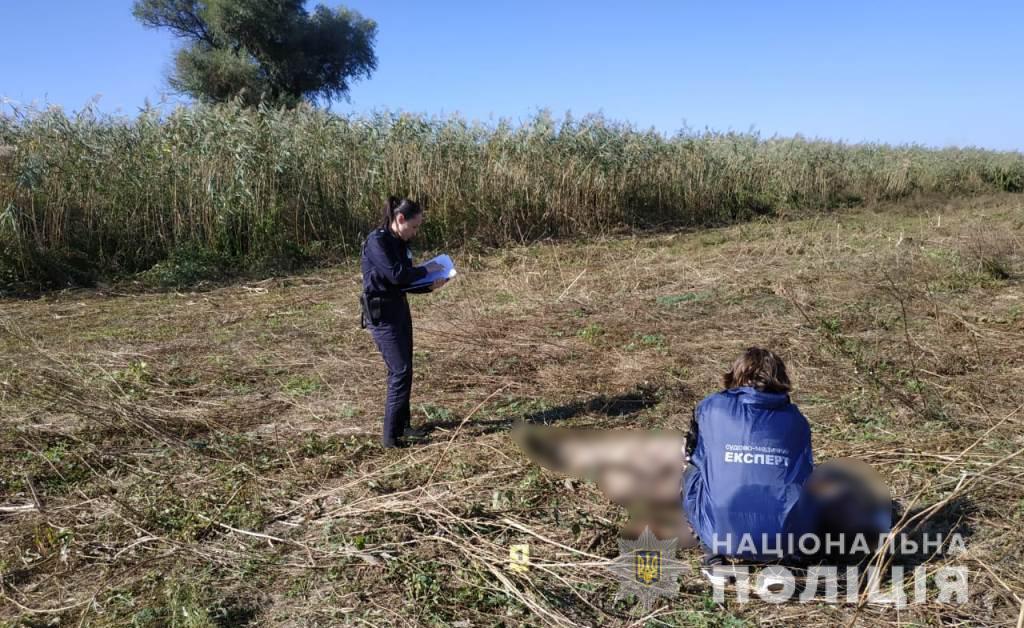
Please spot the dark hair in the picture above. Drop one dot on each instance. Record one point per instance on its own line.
(759, 368)
(405, 207)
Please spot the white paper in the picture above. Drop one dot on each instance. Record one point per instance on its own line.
(447, 271)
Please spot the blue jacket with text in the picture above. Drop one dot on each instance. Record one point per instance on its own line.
(750, 457)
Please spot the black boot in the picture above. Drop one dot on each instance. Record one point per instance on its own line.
(414, 433)
(392, 438)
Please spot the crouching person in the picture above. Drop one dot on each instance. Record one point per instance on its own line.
(749, 454)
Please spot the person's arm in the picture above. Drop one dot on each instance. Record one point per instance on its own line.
(691, 436)
(388, 262)
(805, 459)
(421, 289)
(437, 283)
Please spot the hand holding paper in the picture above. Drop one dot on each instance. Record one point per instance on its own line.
(441, 267)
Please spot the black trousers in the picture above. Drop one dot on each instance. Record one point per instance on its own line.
(393, 336)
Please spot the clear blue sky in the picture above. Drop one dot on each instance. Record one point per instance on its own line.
(933, 72)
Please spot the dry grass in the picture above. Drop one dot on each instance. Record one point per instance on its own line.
(209, 458)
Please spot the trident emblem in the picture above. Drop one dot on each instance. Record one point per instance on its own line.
(647, 565)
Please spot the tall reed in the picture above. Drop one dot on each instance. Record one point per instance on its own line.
(93, 193)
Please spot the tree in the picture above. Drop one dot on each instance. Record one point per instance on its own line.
(263, 50)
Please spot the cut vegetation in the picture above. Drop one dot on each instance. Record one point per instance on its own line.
(210, 458)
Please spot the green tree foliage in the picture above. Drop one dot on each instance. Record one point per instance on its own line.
(263, 50)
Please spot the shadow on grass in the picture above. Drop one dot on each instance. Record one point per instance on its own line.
(930, 539)
(952, 519)
(617, 406)
(948, 521)
(623, 405)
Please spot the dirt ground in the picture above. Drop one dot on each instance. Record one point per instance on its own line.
(210, 458)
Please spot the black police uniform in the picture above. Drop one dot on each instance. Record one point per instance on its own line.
(387, 272)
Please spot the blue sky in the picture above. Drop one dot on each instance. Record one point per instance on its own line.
(937, 73)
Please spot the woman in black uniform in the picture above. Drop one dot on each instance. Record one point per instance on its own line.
(388, 272)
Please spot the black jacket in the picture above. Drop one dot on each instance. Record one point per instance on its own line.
(387, 265)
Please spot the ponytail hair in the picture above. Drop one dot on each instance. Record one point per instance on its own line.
(395, 206)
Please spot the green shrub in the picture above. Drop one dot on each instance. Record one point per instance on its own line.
(188, 265)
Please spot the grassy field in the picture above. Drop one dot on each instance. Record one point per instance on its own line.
(210, 458)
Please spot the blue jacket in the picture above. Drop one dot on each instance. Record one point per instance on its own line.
(387, 265)
(751, 456)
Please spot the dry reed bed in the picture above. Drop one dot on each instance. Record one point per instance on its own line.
(89, 195)
(209, 458)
